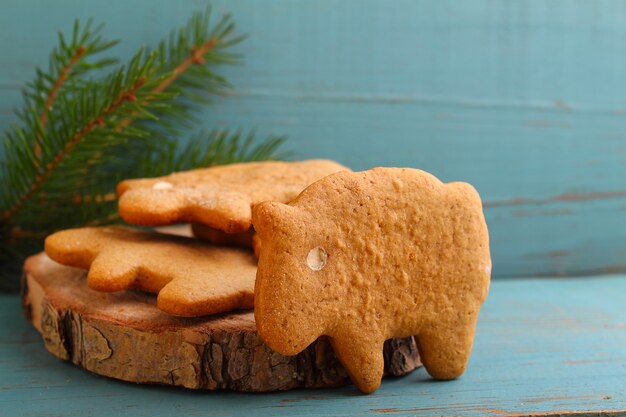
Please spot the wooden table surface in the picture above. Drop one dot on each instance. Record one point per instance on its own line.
(543, 347)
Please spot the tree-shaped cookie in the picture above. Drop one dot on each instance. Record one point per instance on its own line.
(190, 277)
(220, 196)
(367, 256)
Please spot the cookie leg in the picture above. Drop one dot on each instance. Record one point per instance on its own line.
(363, 360)
(110, 274)
(444, 351)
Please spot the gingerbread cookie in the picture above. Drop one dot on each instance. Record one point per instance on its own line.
(216, 237)
(220, 238)
(256, 245)
(367, 256)
(191, 278)
(220, 197)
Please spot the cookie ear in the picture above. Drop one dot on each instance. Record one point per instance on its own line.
(68, 247)
(146, 206)
(270, 217)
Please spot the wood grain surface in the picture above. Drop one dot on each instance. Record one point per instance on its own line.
(543, 347)
(525, 100)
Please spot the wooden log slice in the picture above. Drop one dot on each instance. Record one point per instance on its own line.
(124, 336)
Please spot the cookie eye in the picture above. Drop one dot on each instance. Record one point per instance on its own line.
(316, 259)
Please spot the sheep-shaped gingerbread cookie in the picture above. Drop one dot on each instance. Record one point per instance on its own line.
(367, 256)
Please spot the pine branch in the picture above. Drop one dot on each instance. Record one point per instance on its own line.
(78, 135)
(36, 171)
(67, 68)
(223, 147)
(66, 60)
(196, 57)
(96, 121)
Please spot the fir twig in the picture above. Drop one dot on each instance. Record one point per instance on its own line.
(78, 135)
(66, 59)
(196, 57)
(96, 121)
(223, 147)
(43, 119)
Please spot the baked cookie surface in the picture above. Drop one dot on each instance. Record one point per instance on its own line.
(191, 278)
(218, 237)
(363, 257)
(220, 197)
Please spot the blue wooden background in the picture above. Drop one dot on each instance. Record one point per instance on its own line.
(525, 100)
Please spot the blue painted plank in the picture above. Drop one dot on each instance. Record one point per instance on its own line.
(542, 346)
(523, 99)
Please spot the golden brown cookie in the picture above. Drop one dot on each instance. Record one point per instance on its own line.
(220, 197)
(191, 278)
(363, 257)
(256, 245)
(220, 238)
(217, 237)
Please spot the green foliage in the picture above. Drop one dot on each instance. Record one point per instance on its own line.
(222, 147)
(69, 61)
(79, 133)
